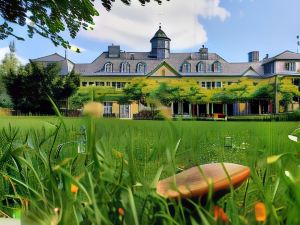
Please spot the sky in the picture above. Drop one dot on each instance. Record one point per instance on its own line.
(230, 28)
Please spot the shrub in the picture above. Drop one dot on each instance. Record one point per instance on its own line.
(5, 101)
(148, 115)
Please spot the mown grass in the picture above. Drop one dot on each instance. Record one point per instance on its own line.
(132, 154)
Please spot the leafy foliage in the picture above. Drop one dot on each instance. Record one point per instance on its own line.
(287, 92)
(50, 18)
(30, 86)
(9, 64)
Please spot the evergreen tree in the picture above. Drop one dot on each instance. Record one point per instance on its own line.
(30, 86)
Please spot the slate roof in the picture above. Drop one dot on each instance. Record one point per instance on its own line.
(286, 55)
(160, 34)
(96, 68)
(66, 65)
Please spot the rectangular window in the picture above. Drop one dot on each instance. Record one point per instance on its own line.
(91, 83)
(218, 84)
(118, 85)
(213, 84)
(107, 83)
(291, 66)
(84, 84)
(208, 85)
(113, 84)
(107, 108)
(97, 83)
(203, 84)
(101, 83)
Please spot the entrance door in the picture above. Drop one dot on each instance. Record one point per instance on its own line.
(125, 111)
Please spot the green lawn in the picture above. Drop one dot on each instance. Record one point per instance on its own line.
(200, 142)
(139, 149)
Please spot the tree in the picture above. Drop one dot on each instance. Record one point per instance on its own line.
(241, 91)
(49, 18)
(153, 92)
(9, 63)
(30, 86)
(287, 92)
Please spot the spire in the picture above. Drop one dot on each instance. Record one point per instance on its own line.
(12, 47)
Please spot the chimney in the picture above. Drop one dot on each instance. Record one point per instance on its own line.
(203, 53)
(253, 56)
(266, 57)
(132, 56)
(114, 51)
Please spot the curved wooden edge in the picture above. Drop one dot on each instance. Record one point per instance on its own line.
(191, 183)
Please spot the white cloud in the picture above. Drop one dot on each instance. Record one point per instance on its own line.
(5, 50)
(134, 26)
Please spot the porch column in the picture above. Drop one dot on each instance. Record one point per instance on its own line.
(225, 108)
(172, 108)
(190, 109)
(197, 109)
(212, 108)
(180, 108)
(259, 107)
(207, 108)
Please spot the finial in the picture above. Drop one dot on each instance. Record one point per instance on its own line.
(159, 25)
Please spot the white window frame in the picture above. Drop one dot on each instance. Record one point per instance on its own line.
(107, 106)
(108, 67)
(125, 67)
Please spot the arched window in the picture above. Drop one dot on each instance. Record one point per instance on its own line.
(186, 67)
(201, 67)
(125, 67)
(216, 67)
(141, 67)
(108, 67)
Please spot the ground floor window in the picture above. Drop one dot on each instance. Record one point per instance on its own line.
(107, 108)
(125, 111)
(99, 83)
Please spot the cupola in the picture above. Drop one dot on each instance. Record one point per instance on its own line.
(160, 45)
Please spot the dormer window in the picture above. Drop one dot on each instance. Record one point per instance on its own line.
(125, 67)
(216, 67)
(108, 67)
(290, 66)
(141, 67)
(201, 67)
(186, 67)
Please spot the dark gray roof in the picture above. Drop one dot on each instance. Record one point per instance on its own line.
(96, 68)
(286, 55)
(160, 34)
(66, 65)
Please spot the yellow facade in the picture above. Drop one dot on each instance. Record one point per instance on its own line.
(165, 73)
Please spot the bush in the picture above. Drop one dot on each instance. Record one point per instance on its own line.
(78, 100)
(5, 101)
(148, 115)
(294, 116)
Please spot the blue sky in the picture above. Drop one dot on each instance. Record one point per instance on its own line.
(230, 28)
